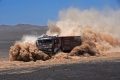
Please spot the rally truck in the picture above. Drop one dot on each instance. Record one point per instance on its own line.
(53, 44)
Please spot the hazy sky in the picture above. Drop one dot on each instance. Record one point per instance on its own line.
(38, 12)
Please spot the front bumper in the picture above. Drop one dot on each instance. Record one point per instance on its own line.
(47, 50)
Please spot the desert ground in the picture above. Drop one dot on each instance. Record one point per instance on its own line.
(105, 67)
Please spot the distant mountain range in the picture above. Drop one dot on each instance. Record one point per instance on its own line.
(8, 32)
(23, 27)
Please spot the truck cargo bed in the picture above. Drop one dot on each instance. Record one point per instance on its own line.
(69, 42)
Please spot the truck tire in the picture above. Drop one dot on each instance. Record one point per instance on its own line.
(61, 48)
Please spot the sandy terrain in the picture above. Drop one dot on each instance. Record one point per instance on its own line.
(95, 68)
(105, 67)
(52, 62)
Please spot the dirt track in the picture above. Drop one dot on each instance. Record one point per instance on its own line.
(91, 68)
(78, 68)
(107, 70)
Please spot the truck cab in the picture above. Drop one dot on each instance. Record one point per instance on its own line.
(48, 44)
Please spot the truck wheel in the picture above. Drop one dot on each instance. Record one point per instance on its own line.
(59, 51)
(61, 48)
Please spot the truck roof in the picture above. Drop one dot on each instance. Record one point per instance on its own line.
(69, 36)
(44, 37)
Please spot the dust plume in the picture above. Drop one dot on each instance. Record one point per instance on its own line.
(61, 55)
(26, 50)
(99, 30)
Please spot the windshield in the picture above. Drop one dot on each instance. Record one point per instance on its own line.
(45, 42)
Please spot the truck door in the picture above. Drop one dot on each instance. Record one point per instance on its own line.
(56, 45)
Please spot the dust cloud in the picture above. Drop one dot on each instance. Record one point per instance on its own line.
(99, 31)
(26, 50)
